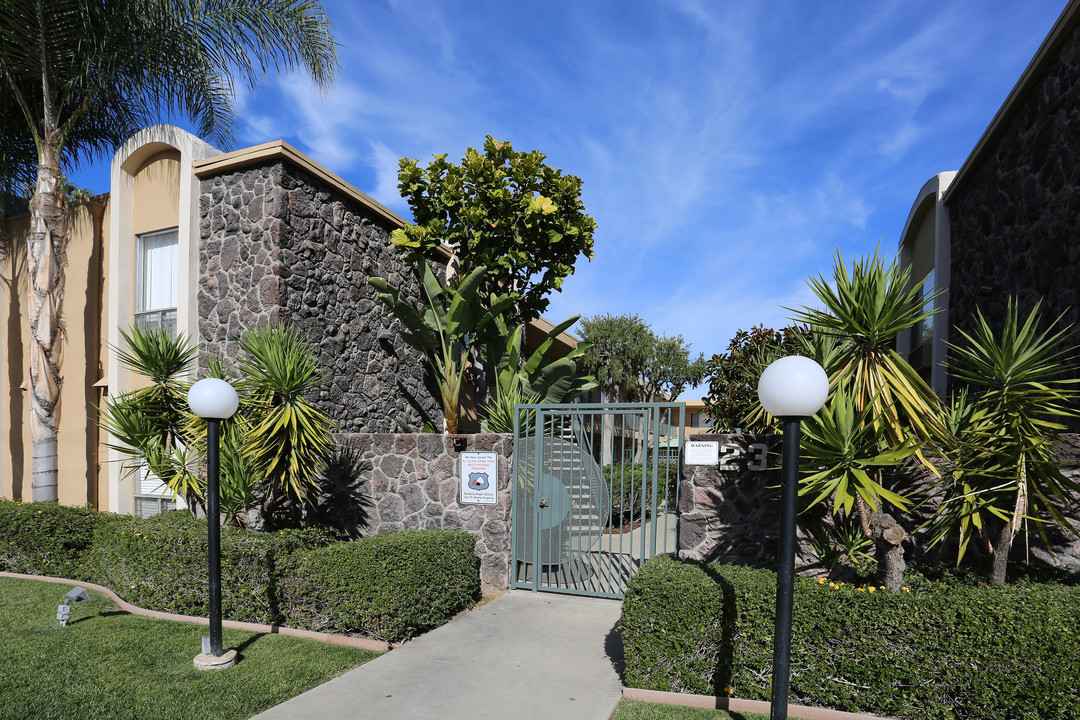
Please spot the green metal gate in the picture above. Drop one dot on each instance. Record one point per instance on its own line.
(595, 493)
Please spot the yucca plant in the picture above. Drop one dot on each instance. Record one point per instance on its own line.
(842, 455)
(499, 413)
(841, 542)
(287, 439)
(1009, 475)
(863, 311)
(153, 424)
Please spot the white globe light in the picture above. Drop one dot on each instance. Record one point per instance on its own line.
(793, 387)
(213, 399)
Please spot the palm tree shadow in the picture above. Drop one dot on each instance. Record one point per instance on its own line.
(343, 502)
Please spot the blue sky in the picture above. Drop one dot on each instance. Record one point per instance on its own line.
(728, 149)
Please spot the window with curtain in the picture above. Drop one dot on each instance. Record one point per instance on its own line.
(156, 278)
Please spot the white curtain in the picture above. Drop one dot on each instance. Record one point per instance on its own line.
(159, 277)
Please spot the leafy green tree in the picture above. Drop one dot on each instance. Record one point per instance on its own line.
(670, 369)
(1005, 473)
(618, 353)
(502, 209)
(78, 78)
(732, 400)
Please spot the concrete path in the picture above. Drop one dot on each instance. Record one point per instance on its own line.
(522, 656)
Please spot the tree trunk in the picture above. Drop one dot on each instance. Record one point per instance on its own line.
(1001, 554)
(888, 535)
(1008, 530)
(46, 257)
(607, 432)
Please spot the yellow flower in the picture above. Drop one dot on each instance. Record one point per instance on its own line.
(882, 587)
(979, 601)
(906, 589)
(821, 581)
(728, 690)
(132, 587)
(872, 588)
(38, 512)
(861, 589)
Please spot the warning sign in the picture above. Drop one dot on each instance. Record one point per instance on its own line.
(479, 478)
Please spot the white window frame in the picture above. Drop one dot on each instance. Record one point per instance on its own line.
(165, 316)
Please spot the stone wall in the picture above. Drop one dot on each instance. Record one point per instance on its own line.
(280, 245)
(1015, 218)
(412, 482)
(730, 513)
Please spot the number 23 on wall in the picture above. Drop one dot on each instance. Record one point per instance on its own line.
(757, 456)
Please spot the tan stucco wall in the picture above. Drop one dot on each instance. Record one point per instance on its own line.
(83, 357)
(157, 194)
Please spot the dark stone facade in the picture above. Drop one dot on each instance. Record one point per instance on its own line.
(280, 245)
(1015, 216)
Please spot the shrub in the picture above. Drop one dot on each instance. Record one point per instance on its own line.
(41, 538)
(391, 586)
(624, 485)
(161, 563)
(939, 651)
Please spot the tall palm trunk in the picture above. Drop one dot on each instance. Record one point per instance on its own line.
(46, 257)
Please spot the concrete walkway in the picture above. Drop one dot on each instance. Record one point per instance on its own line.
(522, 656)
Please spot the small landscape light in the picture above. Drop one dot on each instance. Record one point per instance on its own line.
(74, 596)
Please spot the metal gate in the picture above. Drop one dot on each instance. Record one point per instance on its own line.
(595, 493)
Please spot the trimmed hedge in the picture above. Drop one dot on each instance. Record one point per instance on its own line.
(161, 563)
(940, 651)
(392, 586)
(44, 538)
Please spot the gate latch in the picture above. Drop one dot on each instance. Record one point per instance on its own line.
(544, 503)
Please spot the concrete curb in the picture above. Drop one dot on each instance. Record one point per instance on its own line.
(359, 642)
(736, 705)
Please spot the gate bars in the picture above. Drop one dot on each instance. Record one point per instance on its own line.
(595, 493)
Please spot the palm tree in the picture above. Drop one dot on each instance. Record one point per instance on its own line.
(83, 76)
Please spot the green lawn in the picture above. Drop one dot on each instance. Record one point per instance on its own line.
(109, 664)
(639, 710)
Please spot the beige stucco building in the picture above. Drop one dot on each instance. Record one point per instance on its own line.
(208, 244)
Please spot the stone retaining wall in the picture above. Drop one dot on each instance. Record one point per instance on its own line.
(412, 482)
(730, 512)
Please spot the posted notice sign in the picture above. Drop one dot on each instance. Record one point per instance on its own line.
(479, 478)
(702, 452)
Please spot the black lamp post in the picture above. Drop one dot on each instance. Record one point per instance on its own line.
(213, 400)
(792, 388)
